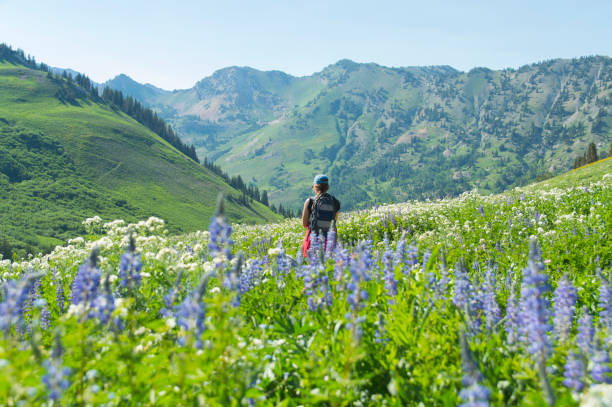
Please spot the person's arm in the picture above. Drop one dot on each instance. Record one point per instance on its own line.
(306, 214)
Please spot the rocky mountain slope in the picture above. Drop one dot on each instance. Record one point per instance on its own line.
(391, 134)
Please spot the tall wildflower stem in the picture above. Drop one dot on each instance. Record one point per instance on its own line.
(549, 395)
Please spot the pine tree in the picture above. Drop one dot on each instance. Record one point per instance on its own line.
(591, 155)
(264, 196)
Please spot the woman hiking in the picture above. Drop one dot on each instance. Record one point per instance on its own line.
(319, 212)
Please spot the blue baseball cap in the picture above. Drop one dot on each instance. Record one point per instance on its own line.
(321, 179)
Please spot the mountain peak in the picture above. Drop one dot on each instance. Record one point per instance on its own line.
(129, 87)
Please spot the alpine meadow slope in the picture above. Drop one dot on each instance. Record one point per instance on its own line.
(499, 300)
(66, 155)
(391, 134)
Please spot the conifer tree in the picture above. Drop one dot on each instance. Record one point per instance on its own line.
(591, 155)
(264, 195)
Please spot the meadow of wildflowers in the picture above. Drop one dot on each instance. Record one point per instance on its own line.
(479, 300)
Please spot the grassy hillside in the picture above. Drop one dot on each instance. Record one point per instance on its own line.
(391, 134)
(499, 300)
(63, 161)
(579, 176)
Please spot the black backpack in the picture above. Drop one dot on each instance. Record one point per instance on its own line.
(323, 211)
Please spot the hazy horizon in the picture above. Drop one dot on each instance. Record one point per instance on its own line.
(172, 46)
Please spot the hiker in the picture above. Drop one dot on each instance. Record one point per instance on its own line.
(319, 212)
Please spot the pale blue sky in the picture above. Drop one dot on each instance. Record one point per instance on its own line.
(174, 44)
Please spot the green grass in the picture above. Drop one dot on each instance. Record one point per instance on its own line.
(376, 323)
(579, 176)
(84, 159)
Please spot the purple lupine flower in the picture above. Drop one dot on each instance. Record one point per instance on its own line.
(463, 286)
(489, 298)
(86, 282)
(586, 333)
(400, 252)
(103, 305)
(605, 302)
(171, 296)
(14, 300)
(359, 273)
(389, 272)
(220, 232)
(190, 315)
(362, 265)
(473, 394)
(33, 300)
(284, 264)
(481, 210)
(381, 337)
(252, 273)
(412, 256)
(512, 317)
(600, 367)
(443, 282)
(354, 324)
(343, 260)
(45, 317)
(56, 378)
(574, 372)
(564, 302)
(330, 241)
(534, 311)
(314, 252)
(129, 267)
(231, 281)
(316, 287)
(190, 318)
(59, 291)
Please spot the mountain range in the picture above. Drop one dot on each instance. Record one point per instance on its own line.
(67, 154)
(391, 134)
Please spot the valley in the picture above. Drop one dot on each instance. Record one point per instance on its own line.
(392, 134)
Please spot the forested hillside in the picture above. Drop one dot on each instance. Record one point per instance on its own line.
(67, 154)
(391, 134)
